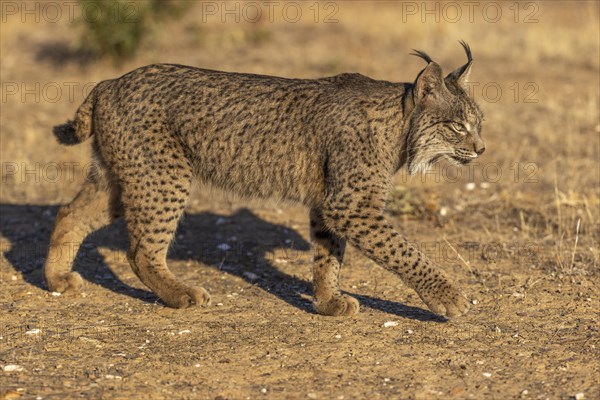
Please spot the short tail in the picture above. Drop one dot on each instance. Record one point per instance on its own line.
(67, 133)
(80, 128)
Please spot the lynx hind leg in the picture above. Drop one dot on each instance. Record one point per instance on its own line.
(154, 198)
(328, 255)
(96, 206)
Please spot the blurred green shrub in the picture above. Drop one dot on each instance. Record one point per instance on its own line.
(117, 28)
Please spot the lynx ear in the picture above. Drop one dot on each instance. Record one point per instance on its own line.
(429, 83)
(461, 74)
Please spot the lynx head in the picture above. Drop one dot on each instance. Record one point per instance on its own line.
(446, 122)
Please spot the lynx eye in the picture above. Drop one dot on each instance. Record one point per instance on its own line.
(458, 128)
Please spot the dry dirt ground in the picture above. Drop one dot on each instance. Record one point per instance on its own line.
(519, 231)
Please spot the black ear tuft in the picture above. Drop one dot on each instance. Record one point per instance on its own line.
(422, 54)
(461, 74)
(467, 48)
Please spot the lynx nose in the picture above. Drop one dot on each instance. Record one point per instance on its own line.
(478, 146)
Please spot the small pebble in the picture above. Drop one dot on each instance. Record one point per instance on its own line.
(184, 331)
(33, 332)
(484, 185)
(580, 396)
(390, 323)
(224, 247)
(470, 186)
(12, 368)
(487, 374)
(251, 276)
(475, 301)
(55, 294)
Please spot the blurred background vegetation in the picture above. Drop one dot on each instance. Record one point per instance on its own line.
(116, 29)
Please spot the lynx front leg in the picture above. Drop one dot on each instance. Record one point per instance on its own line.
(328, 254)
(364, 225)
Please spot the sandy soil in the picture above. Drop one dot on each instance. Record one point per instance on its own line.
(519, 231)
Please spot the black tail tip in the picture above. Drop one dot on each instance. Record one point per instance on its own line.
(66, 133)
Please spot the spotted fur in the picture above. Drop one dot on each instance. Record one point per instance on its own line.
(332, 144)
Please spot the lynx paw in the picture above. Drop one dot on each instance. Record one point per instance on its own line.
(185, 297)
(446, 300)
(338, 305)
(69, 282)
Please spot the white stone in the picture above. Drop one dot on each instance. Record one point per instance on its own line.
(12, 368)
(250, 275)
